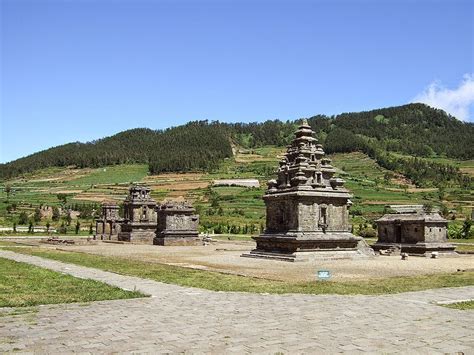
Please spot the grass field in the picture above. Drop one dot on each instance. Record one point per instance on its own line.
(225, 282)
(467, 305)
(26, 285)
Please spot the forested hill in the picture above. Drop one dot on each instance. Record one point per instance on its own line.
(414, 129)
(196, 145)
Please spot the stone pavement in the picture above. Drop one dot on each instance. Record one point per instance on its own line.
(178, 319)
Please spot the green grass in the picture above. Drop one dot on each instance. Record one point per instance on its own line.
(27, 285)
(225, 282)
(469, 248)
(113, 175)
(245, 237)
(467, 305)
(5, 243)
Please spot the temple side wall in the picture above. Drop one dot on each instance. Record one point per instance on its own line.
(99, 227)
(337, 218)
(284, 214)
(281, 215)
(182, 222)
(386, 233)
(308, 214)
(435, 233)
(412, 233)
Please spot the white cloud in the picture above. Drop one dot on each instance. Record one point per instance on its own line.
(457, 102)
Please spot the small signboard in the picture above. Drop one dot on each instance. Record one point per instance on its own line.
(324, 275)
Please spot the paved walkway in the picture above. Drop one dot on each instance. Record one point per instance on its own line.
(179, 319)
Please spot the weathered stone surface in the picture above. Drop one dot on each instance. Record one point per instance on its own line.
(177, 224)
(140, 216)
(307, 208)
(414, 232)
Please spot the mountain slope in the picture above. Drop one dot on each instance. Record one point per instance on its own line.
(414, 129)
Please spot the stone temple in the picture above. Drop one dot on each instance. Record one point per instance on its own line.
(177, 224)
(414, 231)
(307, 208)
(140, 216)
(108, 226)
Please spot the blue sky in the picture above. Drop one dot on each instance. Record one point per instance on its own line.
(81, 70)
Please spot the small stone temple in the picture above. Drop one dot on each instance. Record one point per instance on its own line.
(140, 217)
(307, 208)
(177, 224)
(413, 231)
(108, 226)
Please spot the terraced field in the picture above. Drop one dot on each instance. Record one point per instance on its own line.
(228, 207)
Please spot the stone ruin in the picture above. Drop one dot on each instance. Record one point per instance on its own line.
(140, 217)
(414, 231)
(307, 208)
(145, 221)
(108, 226)
(177, 224)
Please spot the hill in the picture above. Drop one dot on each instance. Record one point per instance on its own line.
(194, 146)
(399, 139)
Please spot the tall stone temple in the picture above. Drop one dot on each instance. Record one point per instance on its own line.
(140, 216)
(307, 208)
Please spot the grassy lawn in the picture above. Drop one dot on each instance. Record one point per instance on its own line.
(463, 244)
(224, 282)
(465, 248)
(467, 305)
(27, 285)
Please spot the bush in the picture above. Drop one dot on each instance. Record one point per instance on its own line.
(23, 219)
(368, 233)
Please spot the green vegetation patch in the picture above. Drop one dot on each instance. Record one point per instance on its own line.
(225, 282)
(118, 174)
(466, 305)
(27, 285)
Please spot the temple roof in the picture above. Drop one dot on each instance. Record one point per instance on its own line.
(304, 165)
(412, 217)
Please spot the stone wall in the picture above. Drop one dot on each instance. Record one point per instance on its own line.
(182, 222)
(435, 233)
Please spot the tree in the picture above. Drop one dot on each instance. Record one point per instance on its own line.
(23, 218)
(37, 215)
(56, 214)
(428, 207)
(466, 229)
(62, 198)
(63, 228)
(8, 190)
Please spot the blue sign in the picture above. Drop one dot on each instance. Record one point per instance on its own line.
(324, 274)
